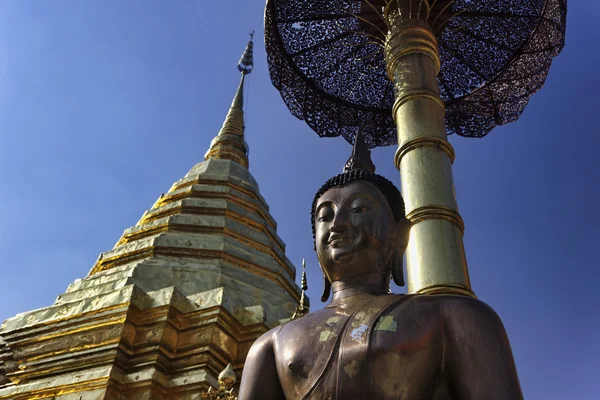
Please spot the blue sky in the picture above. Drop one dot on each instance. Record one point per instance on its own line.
(103, 105)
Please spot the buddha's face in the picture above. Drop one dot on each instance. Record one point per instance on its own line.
(355, 231)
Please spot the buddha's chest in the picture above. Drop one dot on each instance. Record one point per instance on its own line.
(329, 358)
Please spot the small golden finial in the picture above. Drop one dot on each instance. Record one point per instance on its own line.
(227, 380)
(302, 308)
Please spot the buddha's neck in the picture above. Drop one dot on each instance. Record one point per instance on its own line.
(374, 284)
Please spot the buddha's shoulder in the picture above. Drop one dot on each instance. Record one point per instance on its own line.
(442, 306)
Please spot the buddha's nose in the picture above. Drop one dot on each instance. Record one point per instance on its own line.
(340, 222)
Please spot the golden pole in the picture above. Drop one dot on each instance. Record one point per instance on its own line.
(436, 261)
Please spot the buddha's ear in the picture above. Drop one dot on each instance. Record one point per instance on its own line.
(398, 269)
(326, 289)
(402, 236)
(403, 232)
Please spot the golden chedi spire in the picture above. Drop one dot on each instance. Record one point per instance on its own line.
(229, 144)
(184, 292)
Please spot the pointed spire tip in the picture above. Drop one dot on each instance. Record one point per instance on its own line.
(229, 143)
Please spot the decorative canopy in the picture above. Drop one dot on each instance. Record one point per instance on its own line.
(326, 59)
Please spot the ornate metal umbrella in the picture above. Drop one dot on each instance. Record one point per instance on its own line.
(327, 59)
(408, 72)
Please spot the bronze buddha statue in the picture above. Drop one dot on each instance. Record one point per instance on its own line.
(368, 343)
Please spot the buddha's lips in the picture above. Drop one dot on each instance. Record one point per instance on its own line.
(338, 239)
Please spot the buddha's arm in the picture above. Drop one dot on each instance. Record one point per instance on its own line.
(478, 358)
(259, 378)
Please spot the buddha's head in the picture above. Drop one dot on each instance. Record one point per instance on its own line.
(359, 224)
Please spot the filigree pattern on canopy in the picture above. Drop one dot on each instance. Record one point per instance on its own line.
(326, 59)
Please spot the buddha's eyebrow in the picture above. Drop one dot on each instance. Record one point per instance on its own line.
(356, 196)
(367, 196)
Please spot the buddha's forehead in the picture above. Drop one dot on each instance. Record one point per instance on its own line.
(354, 189)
